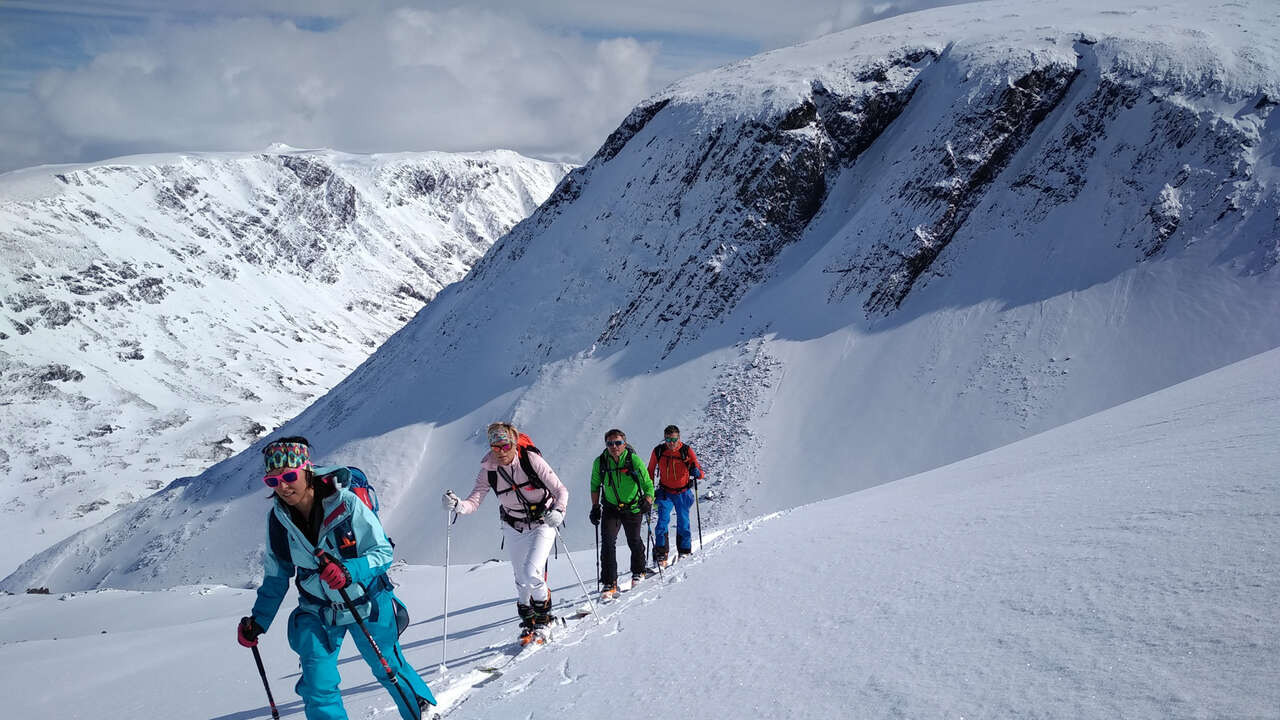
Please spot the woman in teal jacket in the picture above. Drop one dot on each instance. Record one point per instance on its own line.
(310, 515)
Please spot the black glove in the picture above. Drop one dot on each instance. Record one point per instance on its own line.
(595, 514)
(645, 505)
(248, 631)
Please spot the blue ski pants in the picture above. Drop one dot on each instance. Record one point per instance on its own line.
(680, 502)
(317, 644)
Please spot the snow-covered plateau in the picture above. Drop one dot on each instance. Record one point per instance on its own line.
(160, 313)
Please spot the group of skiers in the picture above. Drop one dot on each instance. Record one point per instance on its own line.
(323, 532)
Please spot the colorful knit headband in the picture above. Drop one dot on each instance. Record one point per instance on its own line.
(286, 455)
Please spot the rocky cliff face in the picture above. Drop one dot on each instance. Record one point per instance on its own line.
(158, 315)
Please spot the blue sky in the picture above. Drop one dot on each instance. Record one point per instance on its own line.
(82, 81)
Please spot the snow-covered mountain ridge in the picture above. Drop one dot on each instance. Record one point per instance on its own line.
(832, 265)
(160, 313)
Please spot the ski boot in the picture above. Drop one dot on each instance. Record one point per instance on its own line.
(660, 555)
(542, 619)
(526, 623)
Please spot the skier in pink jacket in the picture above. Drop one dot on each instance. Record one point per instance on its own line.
(532, 503)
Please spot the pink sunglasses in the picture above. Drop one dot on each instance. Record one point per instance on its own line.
(274, 479)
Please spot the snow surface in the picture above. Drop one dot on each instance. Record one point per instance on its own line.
(1119, 566)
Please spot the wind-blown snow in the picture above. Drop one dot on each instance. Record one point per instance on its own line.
(1119, 566)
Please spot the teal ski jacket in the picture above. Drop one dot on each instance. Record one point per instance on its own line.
(349, 531)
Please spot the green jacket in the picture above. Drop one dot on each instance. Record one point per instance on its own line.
(623, 482)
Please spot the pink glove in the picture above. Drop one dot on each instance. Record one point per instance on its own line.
(334, 574)
(248, 631)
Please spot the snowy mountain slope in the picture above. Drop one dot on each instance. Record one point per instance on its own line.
(916, 240)
(1120, 566)
(160, 313)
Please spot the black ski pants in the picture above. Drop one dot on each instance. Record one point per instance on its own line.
(611, 519)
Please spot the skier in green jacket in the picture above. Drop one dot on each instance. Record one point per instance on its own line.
(620, 475)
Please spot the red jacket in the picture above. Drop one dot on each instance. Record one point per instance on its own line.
(672, 472)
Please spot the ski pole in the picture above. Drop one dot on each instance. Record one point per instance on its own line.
(698, 509)
(257, 657)
(444, 634)
(597, 558)
(324, 560)
(648, 547)
(581, 584)
(648, 519)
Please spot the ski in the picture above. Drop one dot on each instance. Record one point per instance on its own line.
(517, 650)
(513, 653)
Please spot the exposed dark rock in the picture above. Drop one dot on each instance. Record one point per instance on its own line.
(312, 173)
(1059, 168)
(91, 506)
(149, 290)
(629, 128)
(56, 314)
(113, 299)
(567, 191)
(19, 302)
(408, 291)
(101, 430)
(341, 199)
(50, 462)
(798, 117)
(59, 373)
(854, 123)
(132, 350)
(98, 220)
(971, 158)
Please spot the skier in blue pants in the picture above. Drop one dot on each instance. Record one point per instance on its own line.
(674, 467)
(309, 514)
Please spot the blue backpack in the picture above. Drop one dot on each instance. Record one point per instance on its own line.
(350, 478)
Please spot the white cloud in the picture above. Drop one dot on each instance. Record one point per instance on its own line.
(408, 79)
(549, 79)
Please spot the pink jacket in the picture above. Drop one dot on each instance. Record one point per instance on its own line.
(511, 500)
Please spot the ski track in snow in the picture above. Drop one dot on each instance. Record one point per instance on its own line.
(455, 687)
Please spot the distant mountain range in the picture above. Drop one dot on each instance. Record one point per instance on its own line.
(159, 314)
(832, 265)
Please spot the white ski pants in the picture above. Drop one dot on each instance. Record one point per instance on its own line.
(529, 551)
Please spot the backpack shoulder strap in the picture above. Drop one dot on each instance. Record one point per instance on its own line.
(279, 539)
(527, 465)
